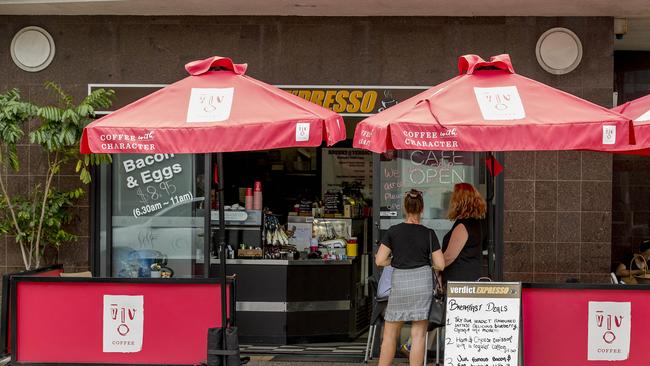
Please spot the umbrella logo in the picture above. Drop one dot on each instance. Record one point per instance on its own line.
(210, 104)
(302, 132)
(609, 135)
(500, 103)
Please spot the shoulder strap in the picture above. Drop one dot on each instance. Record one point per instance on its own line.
(430, 248)
(435, 276)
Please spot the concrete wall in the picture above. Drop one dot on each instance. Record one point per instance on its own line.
(389, 51)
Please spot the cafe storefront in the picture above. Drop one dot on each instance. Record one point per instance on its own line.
(301, 223)
(560, 216)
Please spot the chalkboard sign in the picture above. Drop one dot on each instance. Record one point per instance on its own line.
(332, 202)
(483, 324)
(153, 185)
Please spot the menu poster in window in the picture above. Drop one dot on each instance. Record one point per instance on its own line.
(483, 324)
(150, 185)
(343, 165)
(432, 172)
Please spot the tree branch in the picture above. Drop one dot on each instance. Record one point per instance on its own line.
(13, 215)
(51, 171)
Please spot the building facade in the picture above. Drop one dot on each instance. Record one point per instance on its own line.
(558, 205)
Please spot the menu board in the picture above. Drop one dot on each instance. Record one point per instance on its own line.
(150, 185)
(432, 172)
(346, 166)
(483, 324)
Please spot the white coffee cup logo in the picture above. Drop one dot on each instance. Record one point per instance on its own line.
(302, 132)
(210, 104)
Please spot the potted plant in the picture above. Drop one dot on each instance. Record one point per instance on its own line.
(40, 217)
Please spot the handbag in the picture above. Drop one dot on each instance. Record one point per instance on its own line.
(438, 307)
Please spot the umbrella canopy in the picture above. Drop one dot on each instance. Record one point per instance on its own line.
(638, 110)
(488, 107)
(216, 109)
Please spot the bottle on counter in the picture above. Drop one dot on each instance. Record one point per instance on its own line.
(352, 248)
(313, 245)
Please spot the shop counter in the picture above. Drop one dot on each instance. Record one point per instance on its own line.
(296, 301)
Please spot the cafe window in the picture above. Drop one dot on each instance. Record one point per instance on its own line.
(434, 173)
(157, 215)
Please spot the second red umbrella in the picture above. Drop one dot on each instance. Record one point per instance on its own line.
(488, 107)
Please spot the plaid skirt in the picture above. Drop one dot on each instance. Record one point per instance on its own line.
(410, 295)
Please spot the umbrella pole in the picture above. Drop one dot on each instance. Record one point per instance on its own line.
(222, 252)
(490, 217)
(207, 219)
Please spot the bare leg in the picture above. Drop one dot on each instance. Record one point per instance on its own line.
(418, 334)
(389, 343)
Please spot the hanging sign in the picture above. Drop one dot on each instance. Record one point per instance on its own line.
(123, 323)
(214, 104)
(483, 324)
(610, 325)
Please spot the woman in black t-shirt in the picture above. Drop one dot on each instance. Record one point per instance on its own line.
(414, 249)
(462, 246)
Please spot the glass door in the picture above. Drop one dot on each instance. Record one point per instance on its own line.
(434, 173)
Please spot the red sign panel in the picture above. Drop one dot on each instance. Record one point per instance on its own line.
(557, 321)
(61, 320)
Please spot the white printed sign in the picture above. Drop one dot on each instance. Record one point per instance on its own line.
(302, 132)
(210, 104)
(500, 103)
(482, 324)
(644, 117)
(123, 323)
(610, 325)
(609, 135)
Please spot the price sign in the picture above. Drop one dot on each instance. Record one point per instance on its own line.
(483, 324)
(150, 185)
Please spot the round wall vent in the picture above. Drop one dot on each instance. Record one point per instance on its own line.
(32, 49)
(559, 51)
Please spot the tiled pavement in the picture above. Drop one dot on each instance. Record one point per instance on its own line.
(331, 354)
(350, 348)
(268, 360)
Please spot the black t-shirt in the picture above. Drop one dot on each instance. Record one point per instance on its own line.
(411, 245)
(467, 266)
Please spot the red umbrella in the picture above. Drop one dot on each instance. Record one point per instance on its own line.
(216, 109)
(488, 107)
(639, 111)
